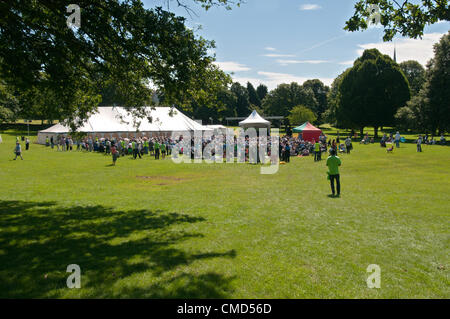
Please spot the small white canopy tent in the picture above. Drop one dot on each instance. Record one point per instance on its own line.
(111, 121)
(218, 128)
(254, 120)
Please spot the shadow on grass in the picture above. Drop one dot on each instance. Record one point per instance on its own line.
(116, 251)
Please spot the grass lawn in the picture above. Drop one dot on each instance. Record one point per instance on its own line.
(155, 229)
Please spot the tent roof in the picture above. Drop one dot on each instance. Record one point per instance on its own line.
(216, 126)
(116, 119)
(306, 127)
(254, 120)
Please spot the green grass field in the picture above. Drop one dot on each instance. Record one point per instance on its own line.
(155, 229)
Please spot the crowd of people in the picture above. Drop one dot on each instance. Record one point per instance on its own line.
(160, 147)
(136, 147)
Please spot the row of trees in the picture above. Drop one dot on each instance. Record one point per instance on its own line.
(296, 102)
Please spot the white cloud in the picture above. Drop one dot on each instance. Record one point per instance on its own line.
(273, 55)
(270, 49)
(349, 62)
(273, 79)
(287, 62)
(232, 66)
(309, 6)
(407, 49)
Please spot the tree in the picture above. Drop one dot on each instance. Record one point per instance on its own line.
(437, 111)
(262, 91)
(281, 100)
(300, 114)
(320, 92)
(8, 104)
(242, 99)
(330, 114)
(229, 101)
(415, 73)
(371, 92)
(405, 17)
(429, 109)
(253, 96)
(203, 99)
(119, 40)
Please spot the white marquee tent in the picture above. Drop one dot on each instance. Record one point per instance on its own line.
(113, 121)
(254, 120)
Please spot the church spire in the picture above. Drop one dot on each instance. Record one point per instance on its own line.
(395, 54)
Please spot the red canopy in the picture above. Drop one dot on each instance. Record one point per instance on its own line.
(309, 132)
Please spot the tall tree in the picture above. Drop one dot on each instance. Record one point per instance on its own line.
(405, 17)
(415, 73)
(252, 95)
(437, 111)
(320, 92)
(372, 91)
(262, 91)
(330, 114)
(242, 99)
(429, 109)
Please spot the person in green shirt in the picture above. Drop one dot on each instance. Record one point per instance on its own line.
(333, 163)
(317, 151)
(156, 150)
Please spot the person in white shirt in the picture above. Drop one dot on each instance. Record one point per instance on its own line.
(419, 144)
(397, 139)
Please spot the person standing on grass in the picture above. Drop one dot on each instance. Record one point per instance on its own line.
(316, 151)
(348, 144)
(115, 154)
(333, 163)
(156, 150)
(419, 144)
(163, 150)
(18, 150)
(397, 140)
(27, 144)
(1, 141)
(287, 152)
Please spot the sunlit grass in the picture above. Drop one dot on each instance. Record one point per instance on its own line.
(155, 229)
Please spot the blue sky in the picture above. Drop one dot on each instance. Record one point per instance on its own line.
(280, 41)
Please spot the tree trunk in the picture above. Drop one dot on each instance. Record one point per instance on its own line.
(375, 129)
(361, 132)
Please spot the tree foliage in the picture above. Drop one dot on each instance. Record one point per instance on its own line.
(262, 91)
(281, 100)
(371, 91)
(415, 73)
(320, 91)
(118, 42)
(253, 95)
(405, 17)
(300, 114)
(429, 110)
